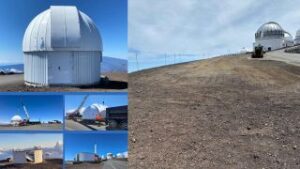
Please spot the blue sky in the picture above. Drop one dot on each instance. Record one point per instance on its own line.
(110, 99)
(40, 107)
(203, 28)
(110, 17)
(19, 141)
(107, 142)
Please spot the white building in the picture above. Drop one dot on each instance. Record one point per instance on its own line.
(28, 156)
(16, 120)
(297, 37)
(62, 46)
(87, 157)
(109, 156)
(94, 111)
(272, 36)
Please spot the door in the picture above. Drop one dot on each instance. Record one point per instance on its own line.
(60, 68)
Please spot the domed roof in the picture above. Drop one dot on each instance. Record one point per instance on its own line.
(98, 107)
(269, 29)
(93, 110)
(62, 28)
(16, 118)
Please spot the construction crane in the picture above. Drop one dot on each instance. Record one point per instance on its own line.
(27, 120)
(76, 113)
(26, 111)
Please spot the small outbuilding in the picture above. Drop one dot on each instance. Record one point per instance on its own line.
(28, 156)
(62, 46)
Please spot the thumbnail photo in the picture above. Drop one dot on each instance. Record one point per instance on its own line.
(31, 151)
(96, 150)
(31, 112)
(92, 112)
(74, 47)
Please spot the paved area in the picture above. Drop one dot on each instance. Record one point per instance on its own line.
(280, 55)
(114, 164)
(109, 164)
(73, 125)
(46, 127)
(118, 82)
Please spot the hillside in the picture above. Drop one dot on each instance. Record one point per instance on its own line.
(224, 112)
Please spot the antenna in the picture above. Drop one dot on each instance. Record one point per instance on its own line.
(136, 58)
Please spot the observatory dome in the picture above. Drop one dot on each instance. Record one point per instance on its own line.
(16, 118)
(269, 30)
(62, 46)
(272, 36)
(93, 110)
(297, 37)
(62, 28)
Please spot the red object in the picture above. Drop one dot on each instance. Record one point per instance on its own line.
(99, 118)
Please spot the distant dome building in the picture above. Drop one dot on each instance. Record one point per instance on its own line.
(272, 36)
(62, 46)
(16, 120)
(297, 38)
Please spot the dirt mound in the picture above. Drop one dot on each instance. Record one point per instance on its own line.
(225, 112)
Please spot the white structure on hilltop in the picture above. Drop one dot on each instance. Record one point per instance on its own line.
(16, 120)
(55, 152)
(62, 46)
(94, 111)
(297, 37)
(272, 36)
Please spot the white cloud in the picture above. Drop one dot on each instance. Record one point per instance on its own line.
(213, 27)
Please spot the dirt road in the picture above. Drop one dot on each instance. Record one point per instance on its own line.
(73, 125)
(48, 164)
(118, 82)
(281, 55)
(47, 127)
(109, 164)
(226, 112)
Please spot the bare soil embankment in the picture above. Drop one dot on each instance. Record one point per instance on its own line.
(225, 112)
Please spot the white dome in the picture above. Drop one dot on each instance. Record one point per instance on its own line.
(297, 37)
(269, 29)
(297, 34)
(93, 110)
(16, 118)
(62, 28)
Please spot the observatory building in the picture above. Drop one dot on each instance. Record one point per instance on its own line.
(272, 36)
(297, 38)
(62, 46)
(16, 120)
